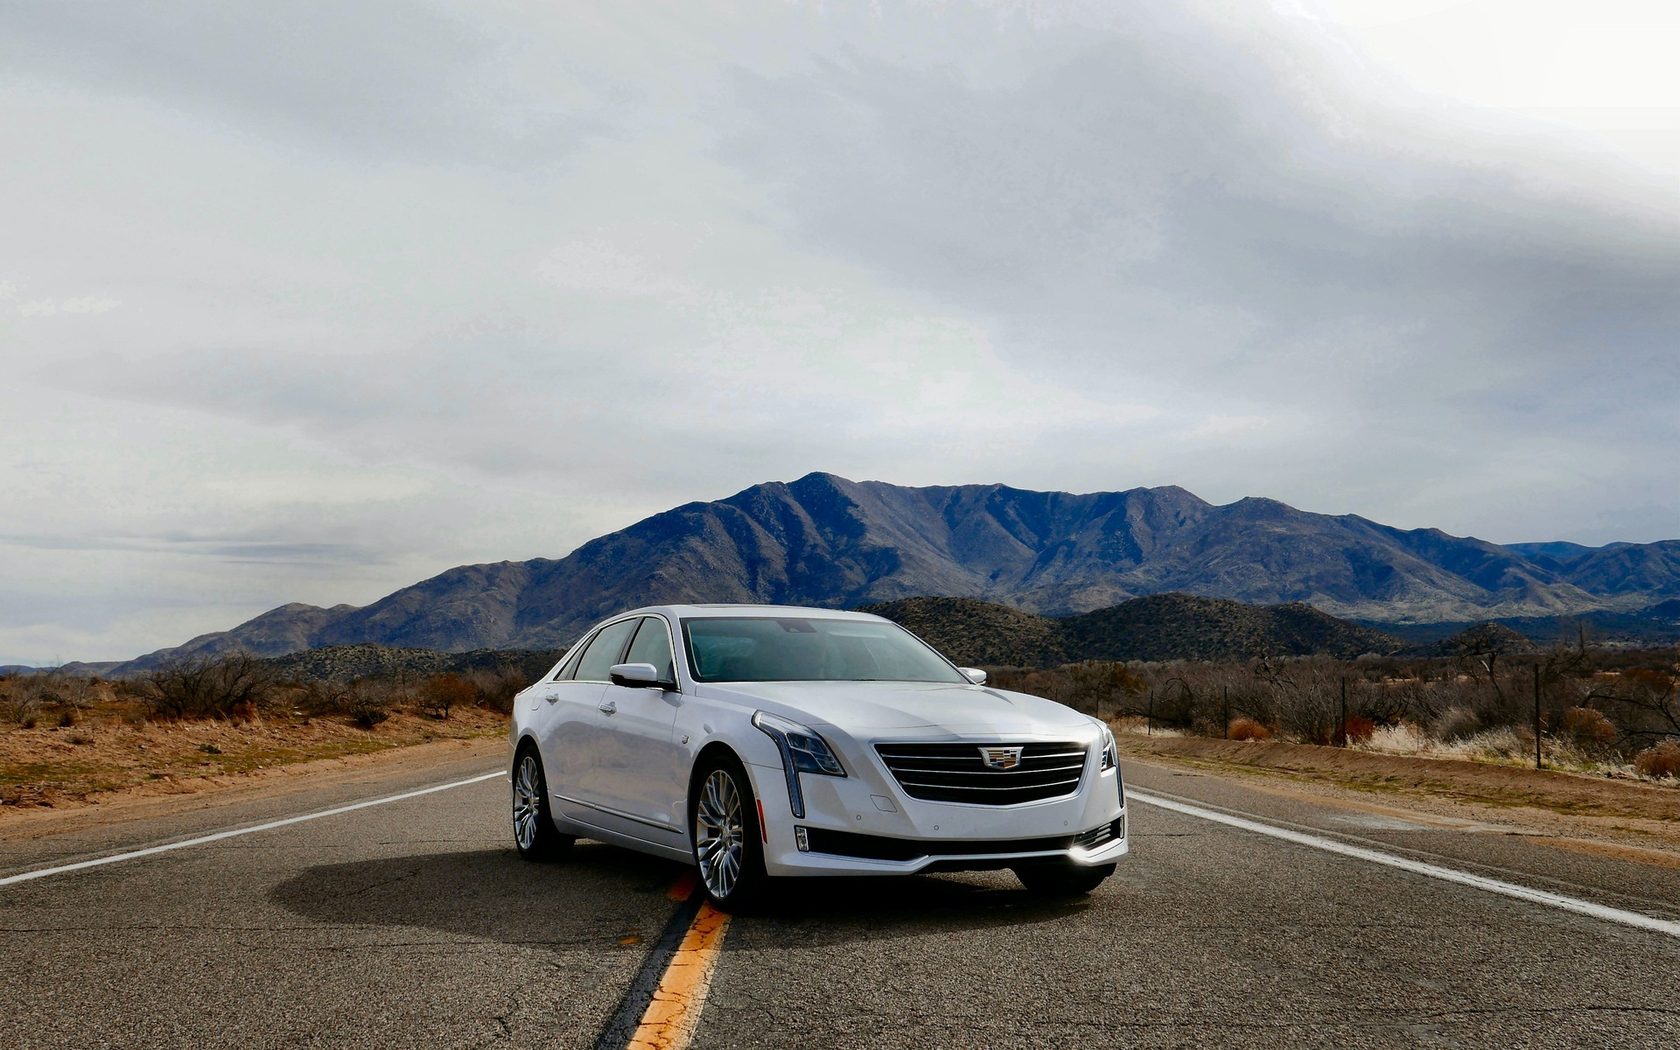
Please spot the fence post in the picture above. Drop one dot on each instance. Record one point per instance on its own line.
(1149, 722)
(1341, 723)
(1537, 763)
(1227, 691)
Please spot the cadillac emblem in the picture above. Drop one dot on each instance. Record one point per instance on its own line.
(1001, 757)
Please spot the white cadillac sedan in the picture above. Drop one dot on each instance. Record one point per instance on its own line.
(757, 742)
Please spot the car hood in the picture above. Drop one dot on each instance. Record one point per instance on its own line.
(865, 707)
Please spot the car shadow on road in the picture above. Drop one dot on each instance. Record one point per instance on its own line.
(603, 896)
(841, 910)
(597, 895)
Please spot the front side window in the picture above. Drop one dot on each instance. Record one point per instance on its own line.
(598, 659)
(802, 649)
(653, 646)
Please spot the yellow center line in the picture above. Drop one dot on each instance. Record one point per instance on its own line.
(674, 1014)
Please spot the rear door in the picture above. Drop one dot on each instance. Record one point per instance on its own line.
(575, 730)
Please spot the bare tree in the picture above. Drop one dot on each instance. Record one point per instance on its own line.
(207, 686)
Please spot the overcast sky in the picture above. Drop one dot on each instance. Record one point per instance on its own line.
(308, 301)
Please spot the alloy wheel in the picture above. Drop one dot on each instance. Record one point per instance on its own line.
(527, 799)
(719, 833)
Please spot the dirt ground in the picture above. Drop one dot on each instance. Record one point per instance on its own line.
(102, 761)
(1598, 813)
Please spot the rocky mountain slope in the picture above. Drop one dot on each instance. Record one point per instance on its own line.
(824, 540)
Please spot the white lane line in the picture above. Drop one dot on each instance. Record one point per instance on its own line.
(1635, 919)
(42, 873)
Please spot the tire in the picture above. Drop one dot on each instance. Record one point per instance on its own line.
(534, 834)
(1062, 878)
(724, 836)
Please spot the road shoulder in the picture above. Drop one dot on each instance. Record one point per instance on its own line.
(1630, 821)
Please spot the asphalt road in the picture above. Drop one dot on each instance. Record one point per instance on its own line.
(413, 923)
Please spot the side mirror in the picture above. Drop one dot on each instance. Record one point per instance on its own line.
(974, 674)
(636, 676)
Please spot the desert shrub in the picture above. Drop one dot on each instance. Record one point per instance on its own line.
(45, 697)
(441, 692)
(19, 704)
(323, 697)
(1248, 729)
(1588, 726)
(366, 704)
(1359, 729)
(1663, 760)
(496, 689)
(207, 687)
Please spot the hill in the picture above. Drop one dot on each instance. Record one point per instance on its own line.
(824, 540)
(972, 632)
(1160, 627)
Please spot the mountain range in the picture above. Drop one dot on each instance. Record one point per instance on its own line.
(823, 540)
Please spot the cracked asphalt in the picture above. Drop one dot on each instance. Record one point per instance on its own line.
(415, 924)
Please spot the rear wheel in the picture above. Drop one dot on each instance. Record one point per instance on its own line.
(1062, 878)
(723, 825)
(534, 833)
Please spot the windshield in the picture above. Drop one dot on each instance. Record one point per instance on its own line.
(800, 649)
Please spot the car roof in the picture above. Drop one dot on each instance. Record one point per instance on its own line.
(725, 609)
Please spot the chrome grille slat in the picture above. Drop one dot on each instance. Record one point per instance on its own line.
(1021, 770)
(987, 787)
(946, 772)
(964, 758)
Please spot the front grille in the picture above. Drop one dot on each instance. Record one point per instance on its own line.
(958, 773)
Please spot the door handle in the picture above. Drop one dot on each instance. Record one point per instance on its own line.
(610, 706)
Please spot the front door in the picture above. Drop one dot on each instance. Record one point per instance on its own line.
(643, 773)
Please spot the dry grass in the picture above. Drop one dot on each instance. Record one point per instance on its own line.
(1140, 725)
(44, 766)
(1433, 779)
(1504, 746)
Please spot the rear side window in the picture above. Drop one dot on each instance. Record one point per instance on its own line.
(653, 646)
(603, 652)
(568, 666)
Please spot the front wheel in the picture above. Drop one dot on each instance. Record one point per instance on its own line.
(534, 833)
(1062, 878)
(723, 826)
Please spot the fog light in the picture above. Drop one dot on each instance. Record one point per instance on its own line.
(802, 840)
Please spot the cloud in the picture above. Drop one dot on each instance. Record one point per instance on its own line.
(307, 303)
(82, 304)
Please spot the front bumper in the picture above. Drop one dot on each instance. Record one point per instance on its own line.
(864, 824)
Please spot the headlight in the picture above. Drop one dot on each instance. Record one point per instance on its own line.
(1108, 755)
(803, 751)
